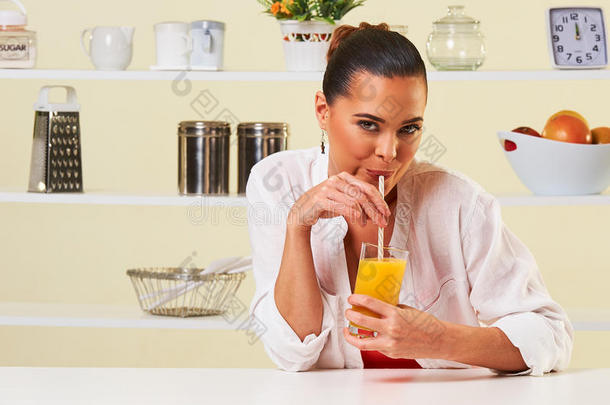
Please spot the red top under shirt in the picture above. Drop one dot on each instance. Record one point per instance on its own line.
(375, 359)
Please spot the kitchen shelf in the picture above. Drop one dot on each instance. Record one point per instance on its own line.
(515, 200)
(584, 319)
(98, 198)
(124, 316)
(100, 316)
(266, 76)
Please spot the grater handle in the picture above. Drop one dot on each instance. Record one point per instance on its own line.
(43, 94)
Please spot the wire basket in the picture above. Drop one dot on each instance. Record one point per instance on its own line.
(184, 292)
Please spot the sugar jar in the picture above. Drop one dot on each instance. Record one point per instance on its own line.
(456, 42)
(17, 44)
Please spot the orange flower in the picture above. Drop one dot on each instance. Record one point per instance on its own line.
(284, 8)
(275, 7)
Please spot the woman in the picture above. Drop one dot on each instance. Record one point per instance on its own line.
(472, 294)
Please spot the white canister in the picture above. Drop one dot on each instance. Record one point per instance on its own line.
(17, 45)
(173, 44)
(208, 44)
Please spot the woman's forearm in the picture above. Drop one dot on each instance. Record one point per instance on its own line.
(482, 346)
(297, 294)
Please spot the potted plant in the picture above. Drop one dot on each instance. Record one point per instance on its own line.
(307, 27)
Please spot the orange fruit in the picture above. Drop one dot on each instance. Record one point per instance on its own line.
(567, 128)
(601, 135)
(571, 113)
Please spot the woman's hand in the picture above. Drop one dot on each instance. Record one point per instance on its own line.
(402, 331)
(341, 194)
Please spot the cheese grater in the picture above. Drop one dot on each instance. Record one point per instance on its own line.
(56, 149)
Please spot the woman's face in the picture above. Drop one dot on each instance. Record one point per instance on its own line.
(376, 129)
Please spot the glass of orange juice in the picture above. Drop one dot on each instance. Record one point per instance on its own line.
(379, 279)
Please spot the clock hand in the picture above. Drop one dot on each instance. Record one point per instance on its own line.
(577, 31)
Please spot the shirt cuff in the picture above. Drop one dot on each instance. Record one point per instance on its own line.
(529, 333)
(283, 344)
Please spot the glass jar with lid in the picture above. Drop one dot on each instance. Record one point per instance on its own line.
(456, 42)
(17, 45)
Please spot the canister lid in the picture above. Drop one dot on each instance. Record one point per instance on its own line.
(204, 128)
(13, 17)
(264, 129)
(456, 20)
(208, 24)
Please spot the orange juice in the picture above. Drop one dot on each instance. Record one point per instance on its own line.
(379, 279)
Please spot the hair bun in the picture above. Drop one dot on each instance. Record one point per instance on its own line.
(344, 31)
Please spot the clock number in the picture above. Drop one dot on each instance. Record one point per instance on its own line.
(569, 55)
(585, 18)
(589, 57)
(564, 19)
(559, 48)
(559, 28)
(574, 16)
(593, 27)
(579, 59)
(596, 48)
(555, 38)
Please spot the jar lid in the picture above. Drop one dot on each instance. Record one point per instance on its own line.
(204, 128)
(456, 19)
(208, 25)
(13, 17)
(263, 129)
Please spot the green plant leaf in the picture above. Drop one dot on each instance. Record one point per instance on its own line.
(319, 10)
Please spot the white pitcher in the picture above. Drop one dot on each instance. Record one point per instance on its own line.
(110, 48)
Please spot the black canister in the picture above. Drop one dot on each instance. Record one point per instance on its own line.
(257, 140)
(203, 157)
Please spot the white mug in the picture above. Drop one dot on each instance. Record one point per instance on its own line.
(110, 48)
(173, 44)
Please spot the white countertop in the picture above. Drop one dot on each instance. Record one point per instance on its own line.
(212, 386)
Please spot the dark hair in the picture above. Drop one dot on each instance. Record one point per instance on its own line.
(368, 48)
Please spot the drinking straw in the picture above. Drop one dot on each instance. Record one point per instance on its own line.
(380, 229)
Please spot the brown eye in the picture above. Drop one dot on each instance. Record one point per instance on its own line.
(367, 125)
(410, 129)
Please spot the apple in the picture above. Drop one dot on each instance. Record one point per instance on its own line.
(527, 131)
(510, 145)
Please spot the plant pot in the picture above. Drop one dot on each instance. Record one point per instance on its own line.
(306, 44)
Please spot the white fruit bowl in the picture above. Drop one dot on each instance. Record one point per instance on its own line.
(549, 167)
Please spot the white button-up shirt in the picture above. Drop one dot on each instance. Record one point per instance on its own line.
(465, 266)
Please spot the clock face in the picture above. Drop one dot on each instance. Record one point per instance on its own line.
(578, 37)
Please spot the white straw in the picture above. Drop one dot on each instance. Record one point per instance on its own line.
(380, 229)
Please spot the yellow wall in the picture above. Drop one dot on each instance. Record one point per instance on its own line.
(79, 254)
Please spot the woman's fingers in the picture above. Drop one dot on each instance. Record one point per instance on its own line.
(344, 195)
(363, 206)
(360, 319)
(366, 202)
(343, 198)
(338, 208)
(370, 343)
(373, 193)
(379, 307)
